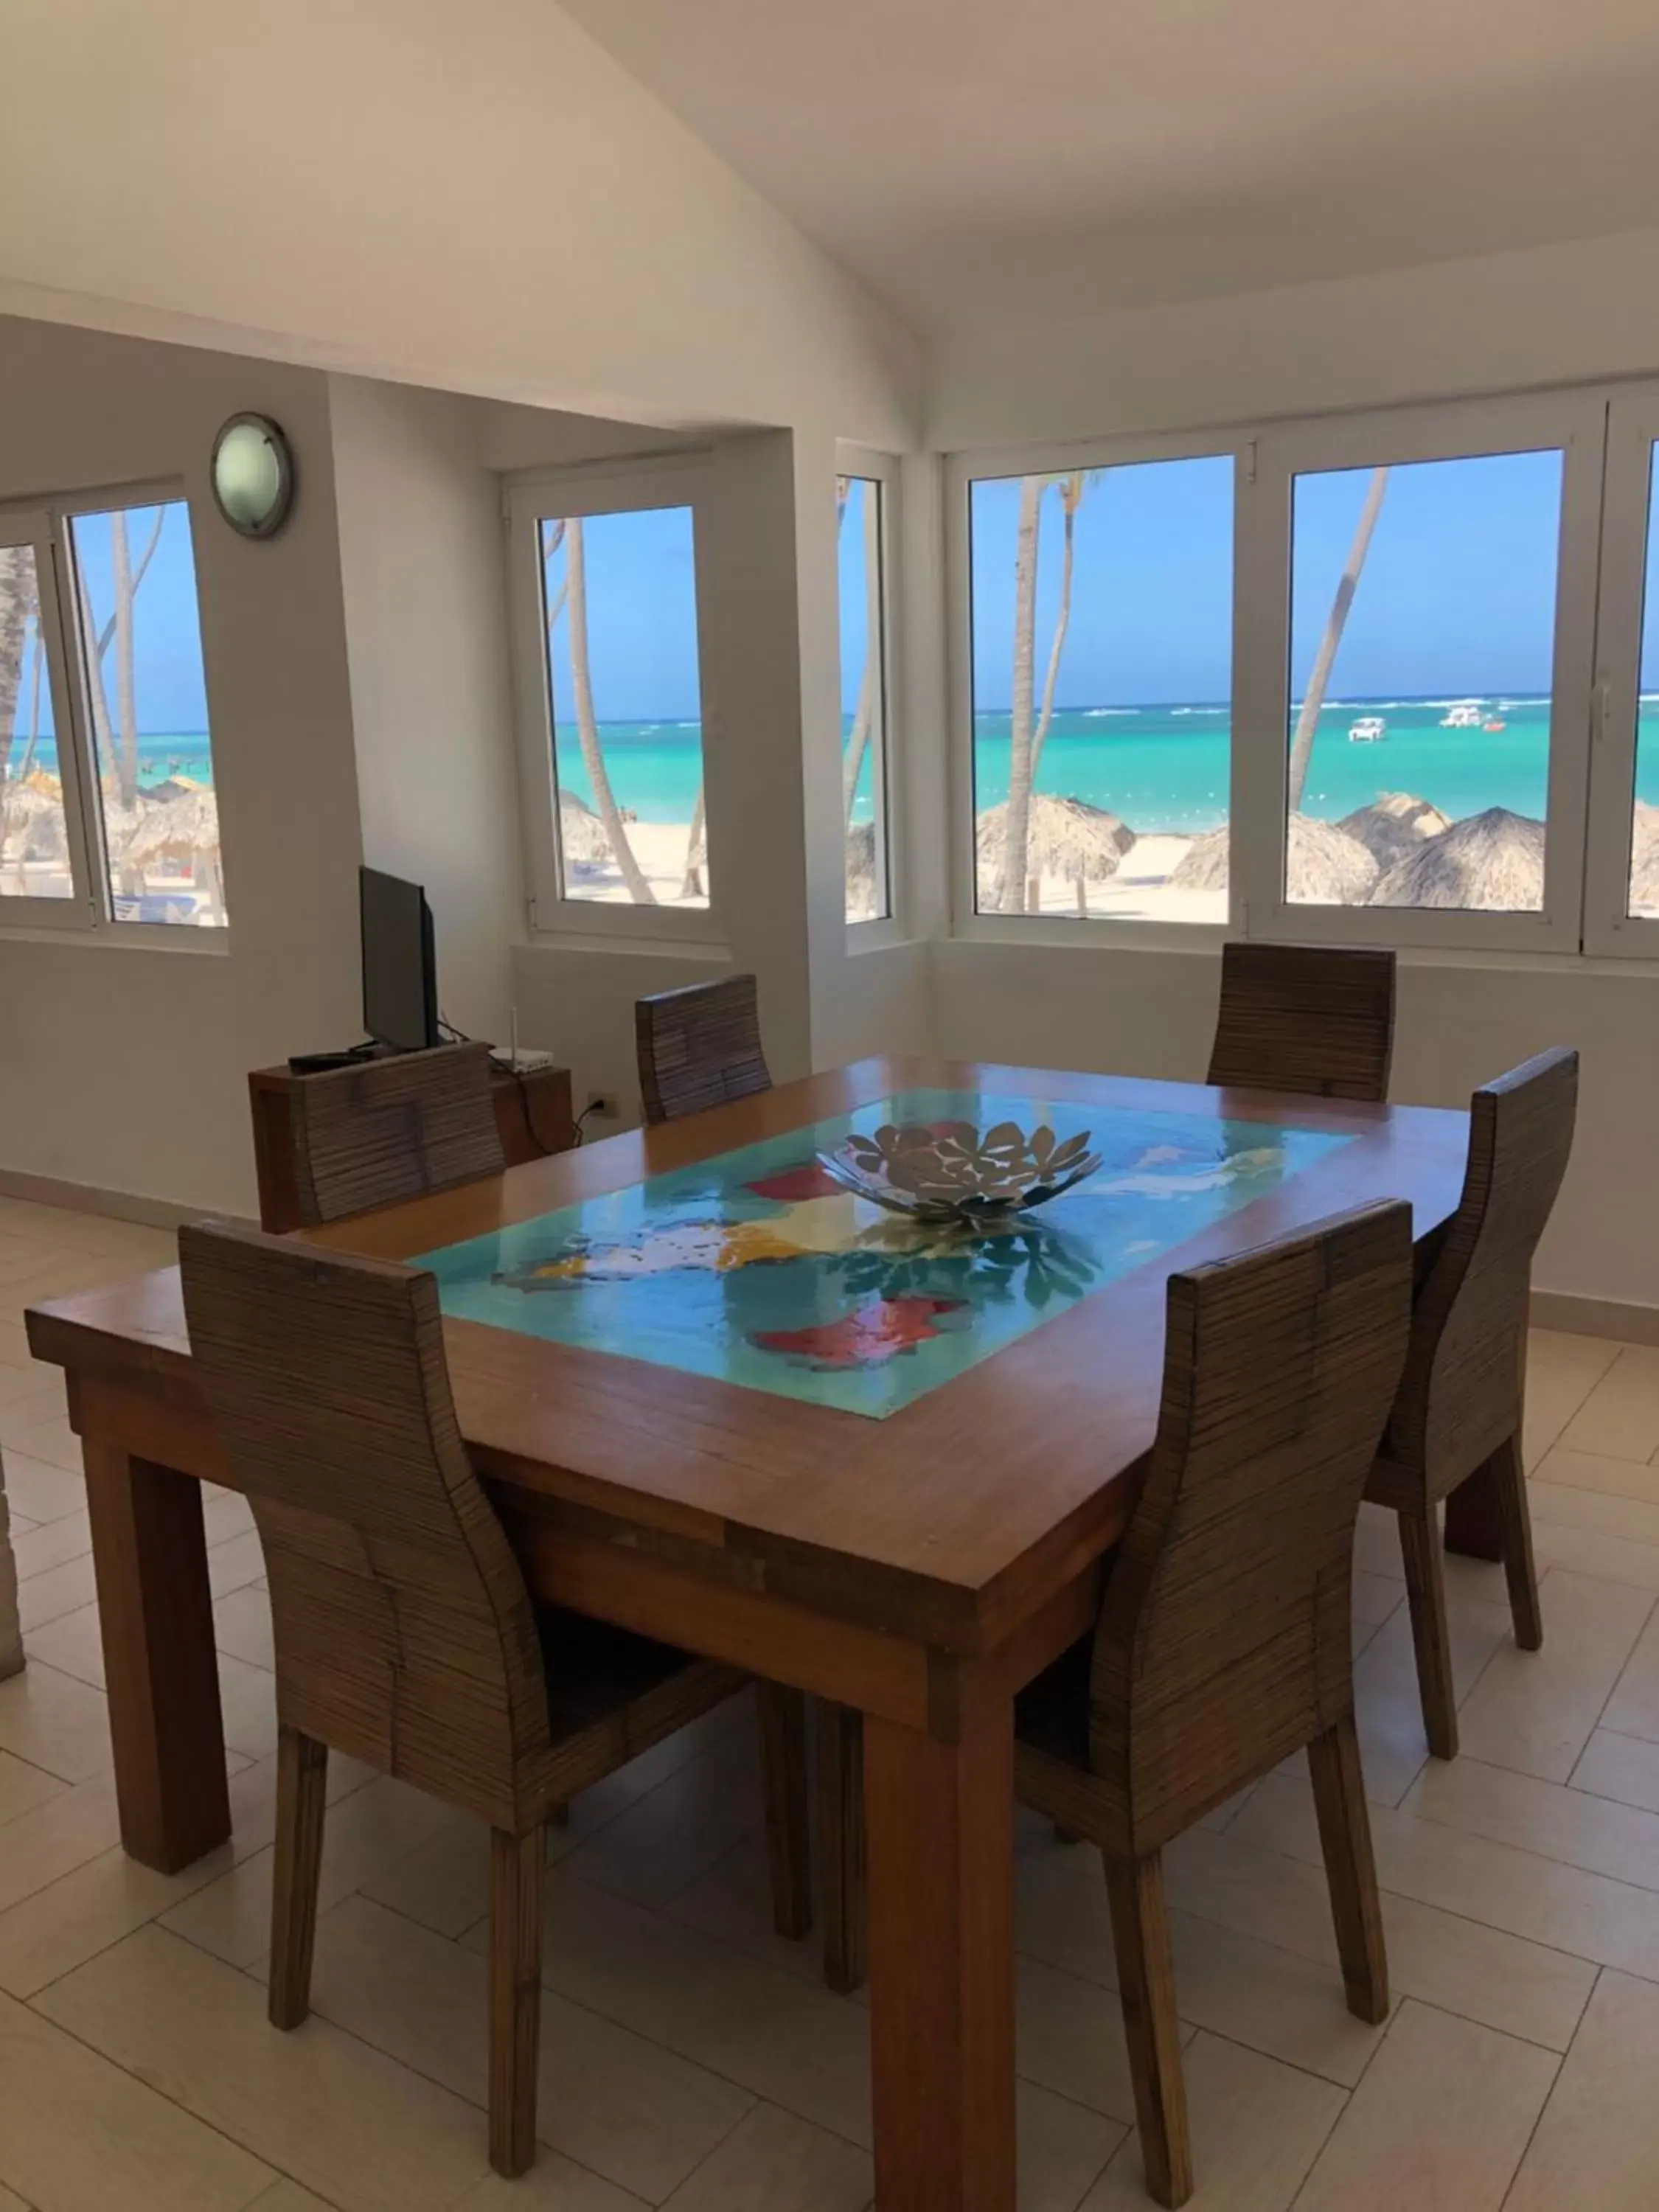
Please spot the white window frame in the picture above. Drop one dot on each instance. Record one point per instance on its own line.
(1633, 436)
(681, 480)
(866, 465)
(92, 910)
(962, 470)
(1575, 423)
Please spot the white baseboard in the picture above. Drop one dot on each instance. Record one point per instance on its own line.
(1582, 1316)
(115, 1205)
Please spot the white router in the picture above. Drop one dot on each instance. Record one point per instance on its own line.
(519, 1059)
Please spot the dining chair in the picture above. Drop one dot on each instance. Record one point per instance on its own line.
(1458, 1417)
(404, 1632)
(387, 1130)
(699, 1047)
(1313, 1018)
(1223, 1640)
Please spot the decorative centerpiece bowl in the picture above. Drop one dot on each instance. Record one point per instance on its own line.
(948, 1171)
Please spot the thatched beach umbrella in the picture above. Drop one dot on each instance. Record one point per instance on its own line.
(1394, 825)
(581, 833)
(1324, 865)
(33, 820)
(861, 868)
(1066, 837)
(1203, 866)
(1492, 861)
(1644, 859)
(173, 829)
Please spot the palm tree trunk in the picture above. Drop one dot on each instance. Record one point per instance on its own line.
(98, 696)
(582, 683)
(1017, 821)
(17, 605)
(1307, 722)
(1070, 493)
(692, 886)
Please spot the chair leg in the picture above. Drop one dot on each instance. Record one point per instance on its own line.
(517, 1873)
(842, 1871)
(1345, 1836)
(788, 1806)
(1515, 1524)
(1425, 1588)
(302, 1789)
(1140, 1935)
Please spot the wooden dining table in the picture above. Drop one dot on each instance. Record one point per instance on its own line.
(919, 1568)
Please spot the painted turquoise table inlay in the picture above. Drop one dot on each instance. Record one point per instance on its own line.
(756, 1268)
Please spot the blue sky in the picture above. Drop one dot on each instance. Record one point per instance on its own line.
(642, 619)
(168, 633)
(1457, 593)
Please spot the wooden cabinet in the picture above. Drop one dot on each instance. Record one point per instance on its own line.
(532, 1112)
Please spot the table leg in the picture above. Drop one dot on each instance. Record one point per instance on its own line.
(150, 1558)
(11, 1632)
(941, 1819)
(1472, 1525)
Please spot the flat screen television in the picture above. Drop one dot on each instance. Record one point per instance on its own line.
(400, 965)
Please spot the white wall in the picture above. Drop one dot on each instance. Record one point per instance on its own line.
(1499, 323)
(1507, 321)
(480, 200)
(124, 1068)
(423, 568)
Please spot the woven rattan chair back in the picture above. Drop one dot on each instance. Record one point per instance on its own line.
(404, 1632)
(1223, 1644)
(699, 1047)
(1460, 1398)
(1311, 1019)
(393, 1129)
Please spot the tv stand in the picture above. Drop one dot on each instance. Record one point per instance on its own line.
(532, 1113)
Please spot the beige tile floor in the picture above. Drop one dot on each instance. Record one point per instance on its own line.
(693, 2061)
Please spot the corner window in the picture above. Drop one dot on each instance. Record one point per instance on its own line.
(107, 782)
(141, 652)
(862, 506)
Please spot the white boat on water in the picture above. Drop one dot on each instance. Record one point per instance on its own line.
(1466, 715)
(1368, 730)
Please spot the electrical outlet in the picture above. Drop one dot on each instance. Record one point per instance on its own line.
(602, 1105)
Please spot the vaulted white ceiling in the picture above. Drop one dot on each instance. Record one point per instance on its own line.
(976, 159)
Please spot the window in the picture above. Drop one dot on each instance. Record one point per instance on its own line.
(861, 508)
(140, 654)
(1100, 672)
(1423, 602)
(110, 810)
(34, 825)
(1642, 896)
(1421, 597)
(614, 732)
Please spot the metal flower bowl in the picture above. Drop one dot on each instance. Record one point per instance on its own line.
(948, 1171)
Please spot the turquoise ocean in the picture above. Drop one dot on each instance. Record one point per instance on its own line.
(1161, 768)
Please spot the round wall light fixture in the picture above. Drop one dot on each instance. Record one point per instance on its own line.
(252, 475)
